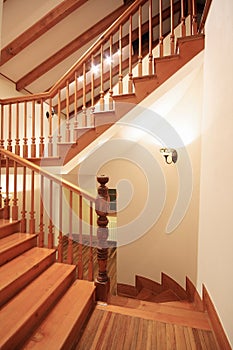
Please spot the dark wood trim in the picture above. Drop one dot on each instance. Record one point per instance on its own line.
(169, 283)
(40, 27)
(69, 49)
(193, 295)
(215, 321)
(142, 282)
(83, 39)
(204, 16)
(201, 304)
(126, 290)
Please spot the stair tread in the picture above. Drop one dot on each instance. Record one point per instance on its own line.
(7, 222)
(167, 58)
(159, 312)
(21, 265)
(181, 304)
(24, 309)
(165, 296)
(71, 309)
(14, 239)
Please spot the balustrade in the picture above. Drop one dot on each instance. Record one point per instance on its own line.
(102, 210)
(108, 66)
(43, 200)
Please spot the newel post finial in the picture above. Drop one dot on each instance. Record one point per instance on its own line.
(102, 208)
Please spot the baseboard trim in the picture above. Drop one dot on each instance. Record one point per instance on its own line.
(194, 296)
(203, 304)
(217, 327)
(126, 290)
(170, 283)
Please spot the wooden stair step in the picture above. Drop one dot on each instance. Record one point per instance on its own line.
(21, 315)
(145, 294)
(7, 227)
(20, 271)
(61, 327)
(105, 117)
(46, 161)
(165, 296)
(157, 311)
(15, 244)
(183, 304)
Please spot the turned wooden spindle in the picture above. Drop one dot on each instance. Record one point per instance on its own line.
(102, 208)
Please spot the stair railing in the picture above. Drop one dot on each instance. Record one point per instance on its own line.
(31, 125)
(60, 213)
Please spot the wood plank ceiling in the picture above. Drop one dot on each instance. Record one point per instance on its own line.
(38, 49)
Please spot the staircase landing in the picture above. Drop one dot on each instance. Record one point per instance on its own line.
(112, 329)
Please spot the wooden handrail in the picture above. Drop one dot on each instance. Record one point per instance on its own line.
(47, 198)
(126, 42)
(204, 16)
(28, 164)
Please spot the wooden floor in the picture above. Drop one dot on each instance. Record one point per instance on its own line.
(113, 331)
(108, 328)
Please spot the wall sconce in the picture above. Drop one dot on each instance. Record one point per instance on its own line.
(52, 113)
(169, 154)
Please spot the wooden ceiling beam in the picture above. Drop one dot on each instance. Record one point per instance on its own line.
(39, 28)
(69, 49)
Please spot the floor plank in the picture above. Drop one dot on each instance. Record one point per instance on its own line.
(107, 330)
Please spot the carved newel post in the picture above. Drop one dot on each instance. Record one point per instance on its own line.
(102, 208)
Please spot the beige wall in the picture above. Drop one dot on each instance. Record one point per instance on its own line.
(215, 258)
(148, 188)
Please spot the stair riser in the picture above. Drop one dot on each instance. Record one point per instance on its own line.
(12, 252)
(1, 213)
(21, 334)
(11, 290)
(9, 229)
(69, 342)
(73, 309)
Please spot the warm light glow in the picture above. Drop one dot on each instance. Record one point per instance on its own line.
(94, 69)
(108, 60)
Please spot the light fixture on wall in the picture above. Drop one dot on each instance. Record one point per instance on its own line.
(170, 155)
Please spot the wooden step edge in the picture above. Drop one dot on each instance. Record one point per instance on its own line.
(194, 319)
(143, 282)
(166, 58)
(16, 247)
(126, 290)
(7, 227)
(183, 304)
(165, 296)
(151, 306)
(68, 144)
(146, 294)
(47, 161)
(189, 38)
(73, 309)
(108, 111)
(26, 310)
(125, 98)
(154, 307)
(144, 78)
(20, 271)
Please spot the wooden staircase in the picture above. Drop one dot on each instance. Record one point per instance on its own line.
(43, 305)
(164, 67)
